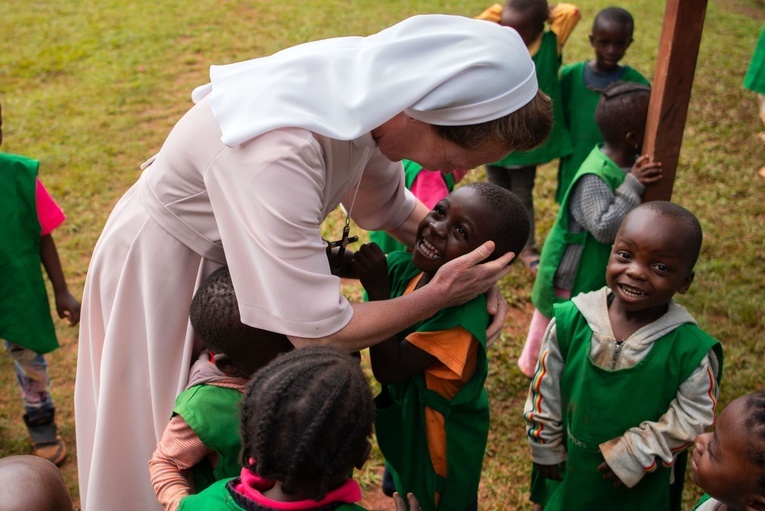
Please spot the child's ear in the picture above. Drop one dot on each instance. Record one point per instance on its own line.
(363, 456)
(686, 283)
(592, 39)
(633, 140)
(225, 364)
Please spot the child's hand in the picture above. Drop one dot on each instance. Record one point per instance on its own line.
(549, 471)
(401, 506)
(68, 307)
(609, 475)
(646, 171)
(371, 266)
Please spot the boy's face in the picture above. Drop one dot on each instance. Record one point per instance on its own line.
(610, 40)
(720, 464)
(649, 261)
(455, 226)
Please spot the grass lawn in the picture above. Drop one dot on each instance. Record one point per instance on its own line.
(92, 88)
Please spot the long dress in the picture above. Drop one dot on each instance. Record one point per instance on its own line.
(198, 205)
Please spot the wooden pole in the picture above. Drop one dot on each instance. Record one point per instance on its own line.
(675, 66)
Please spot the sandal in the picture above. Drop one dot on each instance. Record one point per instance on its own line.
(530, 259)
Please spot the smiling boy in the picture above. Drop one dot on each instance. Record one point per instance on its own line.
(626, 378)
(432, 416)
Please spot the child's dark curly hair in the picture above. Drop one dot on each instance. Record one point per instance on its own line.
(306, 419)
(623, 107)
(754, 425)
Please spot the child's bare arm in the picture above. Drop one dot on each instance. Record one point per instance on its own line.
(550, 471)
(392, 360)
(689, 414)
(67, 305)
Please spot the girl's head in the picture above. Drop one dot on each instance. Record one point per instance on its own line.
(239, 349)
(306, 420)
(610, 37)
(621, 115)
(527, 17)
(467, 218)
(729, 464)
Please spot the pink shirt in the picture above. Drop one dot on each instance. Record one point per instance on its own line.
(49, 213)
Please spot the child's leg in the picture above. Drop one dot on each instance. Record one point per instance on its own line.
(528, 359)
(34, 383)
(539, 322)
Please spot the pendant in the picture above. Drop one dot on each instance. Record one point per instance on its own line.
(341, 244)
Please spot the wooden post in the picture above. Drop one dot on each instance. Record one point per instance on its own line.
(675, 66)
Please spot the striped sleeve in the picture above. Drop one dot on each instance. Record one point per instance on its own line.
(641, 449)
(543, 413)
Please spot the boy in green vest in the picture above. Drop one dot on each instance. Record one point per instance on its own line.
(201, 444)
(581, 83)
(28, 215)
(626, 378)
(517, 171)
(432, 414)
(609, 184)
(728, 463)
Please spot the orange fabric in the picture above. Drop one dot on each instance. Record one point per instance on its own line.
(456, 350)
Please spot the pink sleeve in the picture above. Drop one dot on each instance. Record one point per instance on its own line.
(49, 213)
(429, 186)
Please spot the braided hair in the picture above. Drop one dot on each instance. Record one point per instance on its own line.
(754, 424)
(214, 315)
(306, 419)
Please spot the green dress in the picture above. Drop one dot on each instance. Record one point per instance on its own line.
(400, 409)
(755, 75)
(213, 413)
(578, 106)
(591, 274)
(595, 410)
(25, 317)
(547, 62)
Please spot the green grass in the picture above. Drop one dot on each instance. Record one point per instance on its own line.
(92, 88)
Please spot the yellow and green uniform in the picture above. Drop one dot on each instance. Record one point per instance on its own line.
(404, 410)
(25, 317)
(591, 274)
(547, 61)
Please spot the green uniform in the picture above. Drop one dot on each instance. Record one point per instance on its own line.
(25, 317)
(386, 242)
(578, 104)
(595, 411)
(399, 421)
(591, 274)
(755, 74)
(213, 413)
(218, 498)
(547, 62)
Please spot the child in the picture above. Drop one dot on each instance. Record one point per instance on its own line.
(626, 378)
(306, 419)
(433, 413)
(581, 83)
(728, 464)
(27, 217)
(430, 186)
(32, 484)
(603, 191)
(201, 443)
(517, 171)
